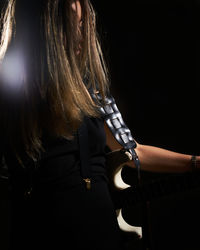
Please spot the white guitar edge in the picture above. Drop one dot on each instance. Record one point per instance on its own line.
(124, 226)
(118, 182)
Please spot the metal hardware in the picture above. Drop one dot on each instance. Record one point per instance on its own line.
(88, 183)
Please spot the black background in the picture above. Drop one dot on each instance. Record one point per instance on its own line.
(152, 48)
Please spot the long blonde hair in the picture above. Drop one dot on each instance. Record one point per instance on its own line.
(47, 65)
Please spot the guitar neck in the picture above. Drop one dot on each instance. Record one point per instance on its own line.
(155, 189)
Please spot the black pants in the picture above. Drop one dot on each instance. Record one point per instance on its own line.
(74, 218)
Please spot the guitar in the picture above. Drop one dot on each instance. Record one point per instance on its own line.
(126, 194)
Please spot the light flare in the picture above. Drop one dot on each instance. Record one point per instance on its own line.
(12, 70)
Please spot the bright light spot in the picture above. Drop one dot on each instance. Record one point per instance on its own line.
(124, 226)
(12, 70)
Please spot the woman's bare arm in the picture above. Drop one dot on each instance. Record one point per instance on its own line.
(155, 159)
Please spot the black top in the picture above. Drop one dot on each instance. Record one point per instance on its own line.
(61, 212)
(60, 163)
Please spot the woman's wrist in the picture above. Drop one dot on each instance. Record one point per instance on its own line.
(195, 163)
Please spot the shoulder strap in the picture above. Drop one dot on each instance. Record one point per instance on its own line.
(116, 124)
(84, 153)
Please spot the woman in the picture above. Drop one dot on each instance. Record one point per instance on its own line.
(52, 71)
